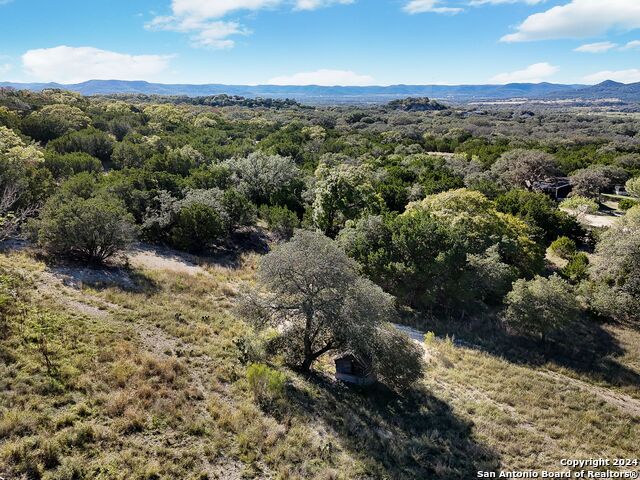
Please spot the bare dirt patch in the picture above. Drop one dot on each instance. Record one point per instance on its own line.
(161, 258)
(598, 221)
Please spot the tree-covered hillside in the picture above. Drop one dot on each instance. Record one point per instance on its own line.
(178, 274)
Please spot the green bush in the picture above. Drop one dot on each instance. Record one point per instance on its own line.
(281, 221)
(238, 209)
(92, 229)
(633, 186)
(577, 269)
(9, 119)
(581, 204)
(616, 269)
(196, 226)
(90, 141)
(53, 121)
(540, 306)
(84, 185)
(66, 165)
(431, 254)
(564, 247)
(627, 203)
(267, 384)
(129, 154)
(539, 211)
(209, 176)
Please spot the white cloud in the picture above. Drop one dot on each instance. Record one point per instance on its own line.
(5, 67)
(578, 19)
(204, 20)
(435, 6)
(76, 64)
(215, 34)
(535, 73)
(324, 78)
(599, 47)
(212, 34)
(207, 9)
(625, 76)
(431, 6)
(315, 4)
(632, 45)
(501, 2)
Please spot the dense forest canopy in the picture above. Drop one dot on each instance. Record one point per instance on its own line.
(428, 199)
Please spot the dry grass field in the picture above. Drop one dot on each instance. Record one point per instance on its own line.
(138, 372)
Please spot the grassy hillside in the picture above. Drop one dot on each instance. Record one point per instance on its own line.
(138, 372)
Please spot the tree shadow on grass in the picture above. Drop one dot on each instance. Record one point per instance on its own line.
(227, 254)
(590, 349)
(240, 242)
(409, 436)
(585, 347)
(101, 277)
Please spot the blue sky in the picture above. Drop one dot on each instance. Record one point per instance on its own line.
(347, 42)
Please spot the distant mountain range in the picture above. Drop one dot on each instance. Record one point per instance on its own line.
(609, 89)
(373, 94)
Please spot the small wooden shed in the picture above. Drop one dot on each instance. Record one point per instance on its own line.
(350, 368)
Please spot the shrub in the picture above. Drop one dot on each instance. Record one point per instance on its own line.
(179, 161)
(580, 204)
(539, 211)
(254, 347)
(92, 229)
(485, 183)
(9, 119)
(12, 214)
(129, 154)
(66, 165)
(281, 221)
(209, 176)
(577, 269)
(341, 193)
(564, 247)
(264, 178)
(238, 209)
(54, 121)
(616, 269)
(90, 141)
(218, 213)
(396, 362)
(429, 339)
(540, 306)
(44, 335)
(196, 226)
(83, 185)
(633, 186)
(267, 384)
(487, 277)
(627, 203)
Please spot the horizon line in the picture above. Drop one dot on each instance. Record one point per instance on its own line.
(313, 85)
